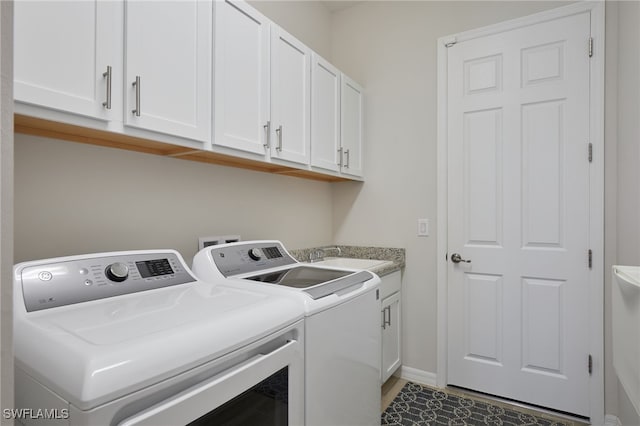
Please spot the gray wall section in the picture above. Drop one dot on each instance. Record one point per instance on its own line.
(6, 207)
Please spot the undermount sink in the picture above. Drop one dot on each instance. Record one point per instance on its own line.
(348, 262)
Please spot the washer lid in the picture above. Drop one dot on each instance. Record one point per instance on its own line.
(94, 352)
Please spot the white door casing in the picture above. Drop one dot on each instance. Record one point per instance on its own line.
(520, 207)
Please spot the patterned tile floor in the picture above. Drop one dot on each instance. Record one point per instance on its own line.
(453, 406)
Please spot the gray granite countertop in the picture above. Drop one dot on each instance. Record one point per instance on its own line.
(395, 255)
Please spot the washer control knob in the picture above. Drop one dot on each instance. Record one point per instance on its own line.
(117, 272)
(255, 253)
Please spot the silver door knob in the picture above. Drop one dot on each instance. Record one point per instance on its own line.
(456, 258)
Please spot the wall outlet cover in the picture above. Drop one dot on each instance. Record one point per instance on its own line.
(216, 240)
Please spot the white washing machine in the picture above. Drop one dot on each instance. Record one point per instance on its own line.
(342, 324)
(133, 338)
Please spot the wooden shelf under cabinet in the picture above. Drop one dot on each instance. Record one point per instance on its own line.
(52, 129)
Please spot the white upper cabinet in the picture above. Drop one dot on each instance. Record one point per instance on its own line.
(68, 56)
(351, 127)
(212, 75)
(325, 115)
(241, 77)
(290, 97)
(168, 48)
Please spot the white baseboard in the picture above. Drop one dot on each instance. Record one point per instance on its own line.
(611, 420)
(418, 376)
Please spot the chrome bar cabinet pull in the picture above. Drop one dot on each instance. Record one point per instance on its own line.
(267, 129)
(136, 84)
(279, 132)
(107, 75)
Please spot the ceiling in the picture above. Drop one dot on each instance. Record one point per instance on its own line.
(336, 5)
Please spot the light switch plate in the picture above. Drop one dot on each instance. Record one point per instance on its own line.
(423, 227)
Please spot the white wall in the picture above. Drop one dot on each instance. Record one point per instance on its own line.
(629, 133)
(628, 159)
(6, 207)
(308, 21)
(390, 48)
(72, 198)
(610, 195)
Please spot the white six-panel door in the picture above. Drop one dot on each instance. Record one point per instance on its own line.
(518, 179)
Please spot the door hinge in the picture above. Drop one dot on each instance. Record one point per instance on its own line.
(450, 42)
(590, 364)
(590, 258)
(590, 152)
(590, 47)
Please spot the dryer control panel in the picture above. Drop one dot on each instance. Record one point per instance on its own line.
(250, 256)
(61, 282)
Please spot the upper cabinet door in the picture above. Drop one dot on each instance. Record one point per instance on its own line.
(168, 51)
(241, 75)
(290, 97)
(68, 55)
(325, 114)
(351, 127)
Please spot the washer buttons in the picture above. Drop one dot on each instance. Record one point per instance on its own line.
(45, 276)
(88, 282)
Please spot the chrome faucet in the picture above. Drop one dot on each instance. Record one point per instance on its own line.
(318, 255)
(338, 249)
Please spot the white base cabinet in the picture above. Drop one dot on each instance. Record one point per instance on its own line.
(390, 289)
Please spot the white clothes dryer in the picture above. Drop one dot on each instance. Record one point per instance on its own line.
(133, 338)
(342, 324)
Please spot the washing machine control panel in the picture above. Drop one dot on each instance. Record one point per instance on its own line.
(250, 256)
(61, 283)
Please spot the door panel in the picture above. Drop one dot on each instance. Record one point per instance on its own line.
(483, 169)
(518, 209)
(484, 322)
